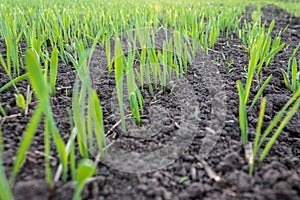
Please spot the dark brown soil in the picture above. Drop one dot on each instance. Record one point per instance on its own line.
(277, 178)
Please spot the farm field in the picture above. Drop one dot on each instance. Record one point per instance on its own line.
(149, 99)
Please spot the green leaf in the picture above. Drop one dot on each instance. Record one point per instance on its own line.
(286, 79)
(26, 140)
(294, 75)
(284, 122)
(53, 70)
(135, 107)
(242, 113)
(271, 27)
(258, 133)
(119, 79)
(61, 148)
(183, 179)
(295, 50)
(260, 91)
(34, 70)
(14, 81)
(99, 124)
(86, 169)
(251, 69)
(20, 101)
(274, 51)
(47, 152)
(78, 104)
(108, 56)
(278, 117)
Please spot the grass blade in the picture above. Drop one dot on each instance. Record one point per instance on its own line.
(260, 91)
(284, 122)
(242, 113)
(286, 79)
(278, 117)
(14, 81)
(294, 75)
(119, 79)
(35, 74)
(53, 70)
(98, 122)
(26, 141)
(258, 133)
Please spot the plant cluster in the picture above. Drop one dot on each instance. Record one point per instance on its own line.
(261, 53)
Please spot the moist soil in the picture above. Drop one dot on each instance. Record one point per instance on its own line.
(220, 174)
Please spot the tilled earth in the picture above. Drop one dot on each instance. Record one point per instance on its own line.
(220, 174)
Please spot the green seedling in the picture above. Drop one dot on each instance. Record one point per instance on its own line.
(86, 169)
(98, 122)
(108, 56)
(40, 89)
(292, 83)
(243, 100)
(47, 141)
(279, 119)
(243, 113)
(119, 79)
(20, 101)
(260, 91)
(132, 89)
(260, 50)
(53, 70)
(78, 105)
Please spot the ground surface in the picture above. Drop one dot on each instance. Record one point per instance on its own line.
(277, 178)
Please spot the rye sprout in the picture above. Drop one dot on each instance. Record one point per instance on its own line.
(53, 70)
(20, 101)
(260, 49)
(243, 100)
(119, 79)
(86, 169)
(132, 88)
(293, 82)
(278, 119)
(40, 89)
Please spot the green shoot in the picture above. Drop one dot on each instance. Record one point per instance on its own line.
(86, 169)
(132, 87)
(294, 83)
(243, 113)
(287, 118)
(98, 122)
(258, 133)
(47, 152)
(260, 91)
(53, 70)
(119, 79)
(108, 56)
(40, 89)
(20, 101)
(278, 119)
